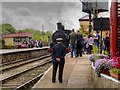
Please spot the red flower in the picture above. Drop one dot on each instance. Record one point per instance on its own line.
(116, 61)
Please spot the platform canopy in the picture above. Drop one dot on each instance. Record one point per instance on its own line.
(94, 5)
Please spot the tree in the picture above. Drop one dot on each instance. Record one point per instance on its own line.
(7, 29)
(2, 43)
(44, 36)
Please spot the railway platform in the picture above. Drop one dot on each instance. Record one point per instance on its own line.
(77, 74)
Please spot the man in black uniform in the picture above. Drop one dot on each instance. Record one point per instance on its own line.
(58, 55)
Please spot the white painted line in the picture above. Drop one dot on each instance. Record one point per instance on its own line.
(110, 78)
(42, 77)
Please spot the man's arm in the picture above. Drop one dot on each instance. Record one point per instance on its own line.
(64, 52)
(53, 53)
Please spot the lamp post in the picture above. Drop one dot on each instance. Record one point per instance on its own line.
(90, 23)
(42, 28)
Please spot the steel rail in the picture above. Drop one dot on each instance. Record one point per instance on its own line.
(23, 63)
(15, 75)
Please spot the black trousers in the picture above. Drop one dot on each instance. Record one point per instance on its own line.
(79, 50)
(60, 75)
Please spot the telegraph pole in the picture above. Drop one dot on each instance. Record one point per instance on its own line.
(42, 28)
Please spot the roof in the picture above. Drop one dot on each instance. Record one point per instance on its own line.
(25, 34)
(85, 18)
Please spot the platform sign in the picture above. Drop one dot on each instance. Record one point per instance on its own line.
(101, 24)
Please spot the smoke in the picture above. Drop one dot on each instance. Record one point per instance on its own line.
(24, 15)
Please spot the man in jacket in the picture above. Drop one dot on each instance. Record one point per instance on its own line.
(58, 55)
(73, 38)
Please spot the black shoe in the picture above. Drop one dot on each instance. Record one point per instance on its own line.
(53, 81)
(60, 81)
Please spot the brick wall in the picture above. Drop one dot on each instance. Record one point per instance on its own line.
(22, 55)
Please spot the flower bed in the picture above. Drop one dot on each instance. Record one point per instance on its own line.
(115, 68)
(101, 66)
(94, 57)
(115, 73)
(104, 64)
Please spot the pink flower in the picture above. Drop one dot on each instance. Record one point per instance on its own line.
(116, 61)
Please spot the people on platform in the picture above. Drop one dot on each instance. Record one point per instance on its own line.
(90, 43)
(73, 38)
(84, 46)
(106, 41)
(36, 43)
(40, 44)
(33, 44)
(58, 55)
(97, 39)
(79, 44)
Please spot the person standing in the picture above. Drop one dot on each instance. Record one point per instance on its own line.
(58, 55)
(97, 39)
(73, 38)
(107, 43)
(90, 43)
(79, 43)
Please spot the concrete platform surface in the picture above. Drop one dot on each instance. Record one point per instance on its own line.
(77, 74)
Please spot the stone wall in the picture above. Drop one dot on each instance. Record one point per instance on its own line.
(22, 55)
(105, 81)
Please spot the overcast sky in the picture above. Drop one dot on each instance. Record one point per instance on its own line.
(34, 14)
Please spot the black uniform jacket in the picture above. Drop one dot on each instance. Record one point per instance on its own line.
(59, 51)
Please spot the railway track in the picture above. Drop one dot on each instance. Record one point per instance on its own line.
(25, 73)
(20, 63)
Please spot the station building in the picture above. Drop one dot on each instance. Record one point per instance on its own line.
(84, 23)
(16, 39)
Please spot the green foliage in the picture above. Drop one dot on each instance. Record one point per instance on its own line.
(1, 43)
(83, 33)
(96, 57)
(36, 37)
(44, 36)
(106, 52)
(99, 57)
(39, 35)
(7, 29)
(30, 30)
(115, 70)
(95, 50)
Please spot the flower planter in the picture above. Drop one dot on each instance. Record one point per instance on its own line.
(105, 71)
(116, 76)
